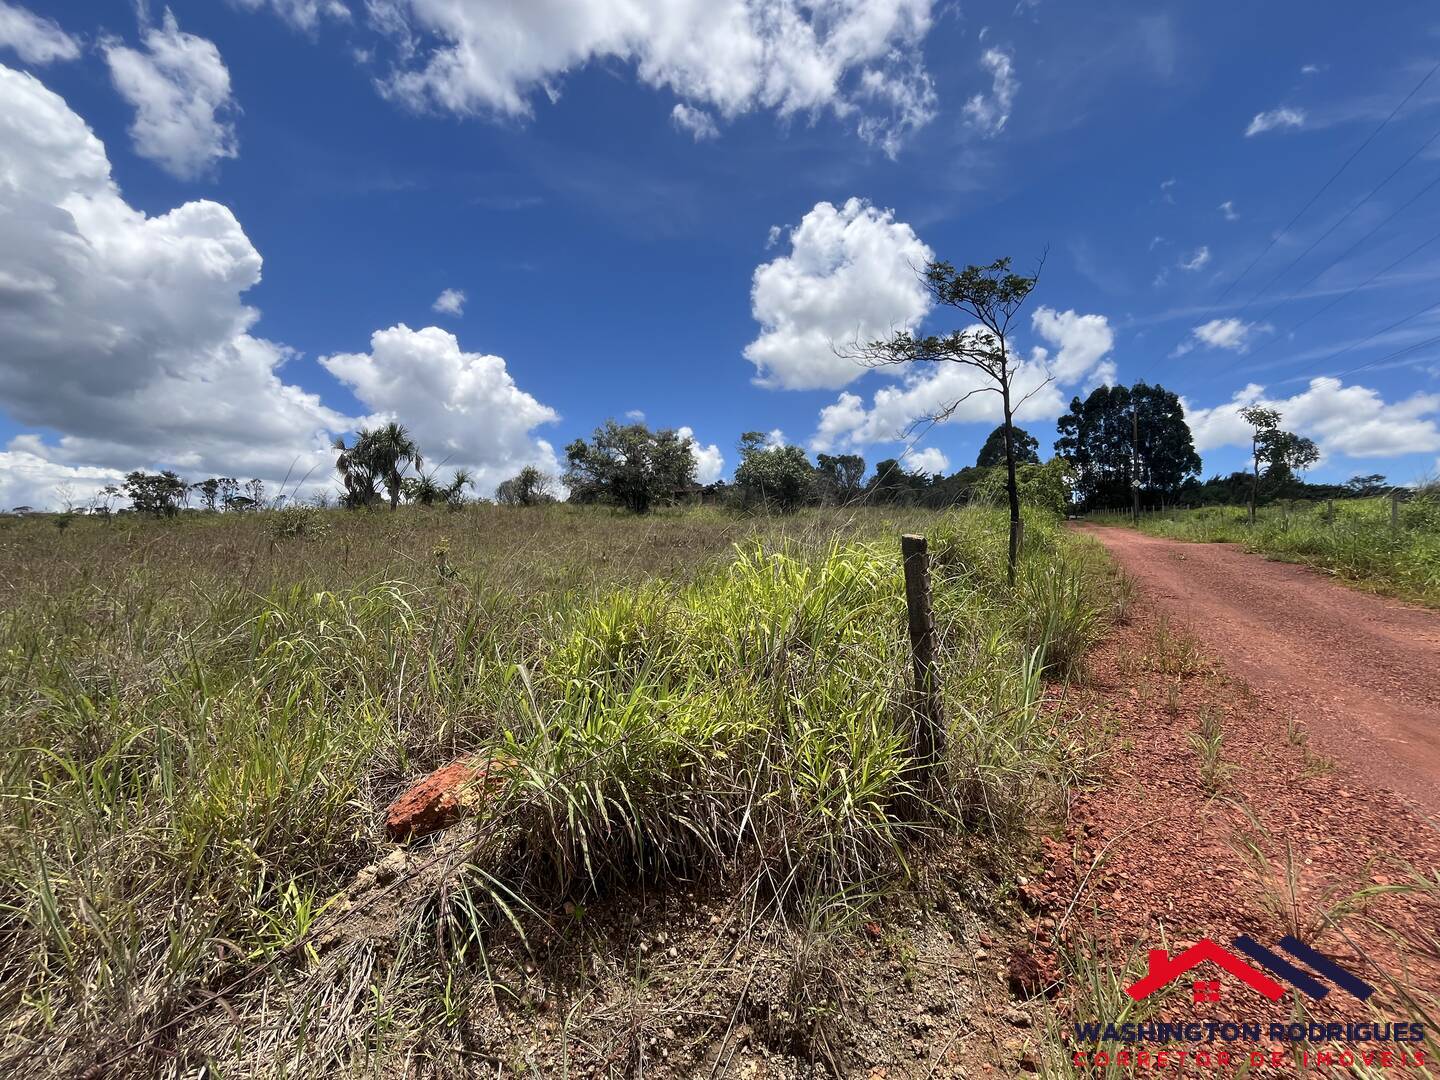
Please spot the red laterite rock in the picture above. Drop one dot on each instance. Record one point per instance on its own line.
(439, 800)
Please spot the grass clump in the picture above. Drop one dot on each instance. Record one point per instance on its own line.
(206, 726)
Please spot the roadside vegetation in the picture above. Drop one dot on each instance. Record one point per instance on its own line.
(209, 713)
(1354, 539)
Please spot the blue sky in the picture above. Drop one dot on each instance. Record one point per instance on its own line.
(673, 207)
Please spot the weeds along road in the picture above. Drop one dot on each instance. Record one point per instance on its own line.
(1361, 672)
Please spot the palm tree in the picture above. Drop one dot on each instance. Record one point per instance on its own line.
(355, 470)
(386, 452)
(455, 492)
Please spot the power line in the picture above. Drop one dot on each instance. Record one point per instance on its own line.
(1351, 249)
(1341, 221)
(1333, 177)
(1354, 344)
(1313, 198)
(1390, 356)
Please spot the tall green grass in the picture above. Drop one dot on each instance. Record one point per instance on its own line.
(1351, 538)
(200, 746)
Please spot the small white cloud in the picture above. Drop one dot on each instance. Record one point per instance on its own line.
(908, 101)
(1231, 334)
(450, 302)
(35, 39)
(1228, 209)
(180, 89)
(926, 462)
(1156, 241)
(772, 237)
(1197, 261)
(775, 438)
(697, 122)
(304, 14)
(709, 461)
(1283, 117)
(636, 415)
(990, 113)
(1311, 69)
(1167, 190)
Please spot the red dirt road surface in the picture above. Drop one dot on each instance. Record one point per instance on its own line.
(1259, 725)
(1361, 672)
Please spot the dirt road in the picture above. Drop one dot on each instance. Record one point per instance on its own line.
(1360, 671)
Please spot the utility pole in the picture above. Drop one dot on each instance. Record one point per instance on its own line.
(1135, 460)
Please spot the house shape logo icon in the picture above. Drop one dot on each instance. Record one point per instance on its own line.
(1165, 969)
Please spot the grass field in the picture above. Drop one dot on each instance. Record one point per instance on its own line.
(1352, 538)
(207, 716)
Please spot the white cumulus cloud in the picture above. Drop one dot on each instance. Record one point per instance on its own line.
(1273, 119)
(450, 302)
(36, 40)
(851, 274)
(1228, 209)
(709, 461)
(180, 89)
(991, 112)
(1081, 344)
(1351, 420)
(463, 408)
(928, 461)
(858, 59)
(31, 479)
(127, 334)
(1081, 341)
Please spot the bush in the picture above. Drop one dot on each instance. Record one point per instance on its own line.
(297, 521)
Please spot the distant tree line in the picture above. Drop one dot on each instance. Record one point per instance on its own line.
(1118, 447)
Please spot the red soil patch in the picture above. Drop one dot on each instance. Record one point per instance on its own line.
(1159, 856)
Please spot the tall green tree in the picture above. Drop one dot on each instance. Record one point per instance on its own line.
(1027, 448)
(156, 494)
(991, 296)
(529, 487)
(630, 466)
(779, 477)
(1124, 438)
(1367, 484)
(840, 476)
(1281, 452)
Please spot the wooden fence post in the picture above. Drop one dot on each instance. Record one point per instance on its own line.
(929, 713)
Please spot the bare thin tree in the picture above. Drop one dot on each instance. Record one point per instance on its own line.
(991, 295)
